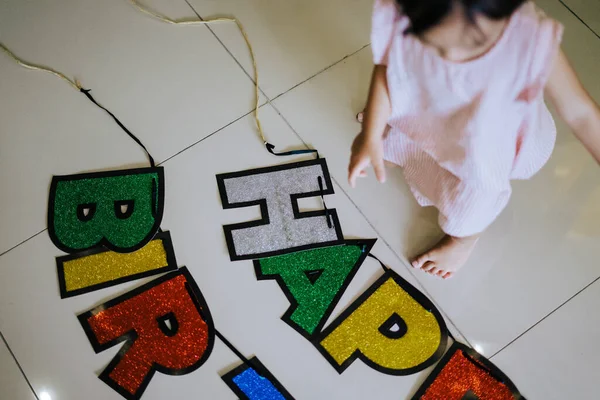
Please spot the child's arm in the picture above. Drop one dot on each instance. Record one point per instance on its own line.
(574, 105)
(368, 145)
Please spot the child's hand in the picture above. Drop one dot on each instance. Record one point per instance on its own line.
(365, 151)
(368, 145)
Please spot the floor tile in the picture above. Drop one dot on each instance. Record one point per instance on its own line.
(12, 382)
(50, 345)
(558, 359)
(581, 45)
(539, 252)
(588, 11)
(293, 40)
(170, 85)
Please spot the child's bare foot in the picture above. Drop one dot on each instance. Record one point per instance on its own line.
(446, 257)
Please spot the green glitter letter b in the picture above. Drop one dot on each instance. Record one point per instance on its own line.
(120, 210)
(314, 280)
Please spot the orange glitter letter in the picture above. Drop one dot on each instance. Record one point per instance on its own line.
(465, 374)
(166, 324)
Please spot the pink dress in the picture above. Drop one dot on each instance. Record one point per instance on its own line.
(462, 131)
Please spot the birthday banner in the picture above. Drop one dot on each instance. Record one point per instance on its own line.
(109, 224)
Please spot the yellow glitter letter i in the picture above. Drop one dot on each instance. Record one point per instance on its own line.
(392, 327)
(98, 268)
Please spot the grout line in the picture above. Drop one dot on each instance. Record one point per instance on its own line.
(399, 257)
(268, 100)
(18, 244)
(18, 365)
(403, 263)
(580, 20)
(227, 50)
(321, 71)
(547, 315)
(157, 164)
(249, 76)
(205, 137)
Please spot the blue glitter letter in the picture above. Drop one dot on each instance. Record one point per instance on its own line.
(248, 384)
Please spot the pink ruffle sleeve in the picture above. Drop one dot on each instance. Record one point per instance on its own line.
(548, 39)
(384, 23)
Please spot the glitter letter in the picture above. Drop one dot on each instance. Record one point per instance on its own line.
(314, 280)
(465, 374)
(167, 328)
(392, 327)
(98, 268)
(255, 382)
(120, 210)
(283, 228)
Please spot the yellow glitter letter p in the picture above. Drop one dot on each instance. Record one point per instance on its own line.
(392, 327)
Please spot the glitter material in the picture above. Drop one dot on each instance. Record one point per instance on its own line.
(108, 266)
(103, 192)
(284, 230)
(462, 374)
(136, 319)
(253, 381)
(256, 387)
(311, 302)
(359, 331)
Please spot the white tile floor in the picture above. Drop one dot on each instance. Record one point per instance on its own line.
(587, 11)
(527, 299)
(12, 381)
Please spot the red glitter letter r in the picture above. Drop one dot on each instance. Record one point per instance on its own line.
(140, 318)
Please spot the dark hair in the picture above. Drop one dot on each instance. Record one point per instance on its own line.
(425, 14)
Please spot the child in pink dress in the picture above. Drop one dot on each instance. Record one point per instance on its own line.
(457, 101)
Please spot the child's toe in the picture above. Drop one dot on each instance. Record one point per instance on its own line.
(420, 261)
(428, 266)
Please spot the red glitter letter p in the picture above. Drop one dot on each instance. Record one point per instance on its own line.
(166, 324)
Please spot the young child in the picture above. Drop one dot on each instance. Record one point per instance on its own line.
(457, 101)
